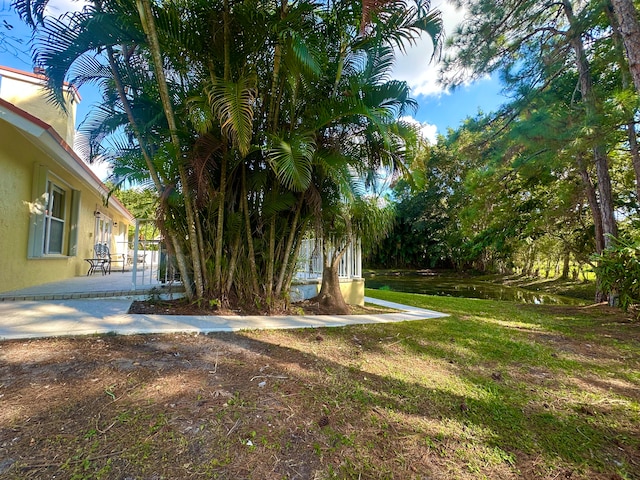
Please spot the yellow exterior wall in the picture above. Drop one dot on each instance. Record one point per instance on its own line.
(28, 94)
(25, 168)
(18, 161)
(352, 290)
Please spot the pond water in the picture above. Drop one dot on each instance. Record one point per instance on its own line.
(456, 286)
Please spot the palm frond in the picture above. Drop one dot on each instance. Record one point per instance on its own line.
(31, 11)
(379, 63)
(233, 104)
(99, 125)
(60, 42)
(305, 54)
(204, 156)
(292, 160)
(393, 96)
(397, 24)
(127, 171)
(200, 114)
(372, 220)
(431, 24)
(276, 201)
(336, 169)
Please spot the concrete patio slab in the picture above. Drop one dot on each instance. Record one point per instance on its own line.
(113, 285)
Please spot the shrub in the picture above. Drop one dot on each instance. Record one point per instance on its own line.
(618, 269)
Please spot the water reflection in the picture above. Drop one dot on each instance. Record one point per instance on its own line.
(453, 286)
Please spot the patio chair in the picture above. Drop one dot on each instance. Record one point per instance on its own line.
(102, 251)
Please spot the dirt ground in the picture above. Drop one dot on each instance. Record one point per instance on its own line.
(238, 406)
(156, 406)
(184, 307)
(170, 406)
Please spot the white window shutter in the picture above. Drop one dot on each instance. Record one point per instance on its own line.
(37, 206)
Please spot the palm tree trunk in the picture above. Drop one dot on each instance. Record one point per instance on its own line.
(201, 252)
(227, 41)
(217, 275)
(277, 60)
(247, 219)
(271, 261)
(147, 19)
(336, 83)
(180, 259)
(222, 190)
(286, 257)
(117, 77)
(183, 266)
(292, 265)
(274, 86)
(330, 295)
(235, 252)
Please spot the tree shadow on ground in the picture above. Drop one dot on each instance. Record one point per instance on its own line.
(300, 404)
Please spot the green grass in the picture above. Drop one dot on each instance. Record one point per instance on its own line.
(495, 390)
(512, 339)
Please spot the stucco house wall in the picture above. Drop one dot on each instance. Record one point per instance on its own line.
(24, 90)
(43, 241)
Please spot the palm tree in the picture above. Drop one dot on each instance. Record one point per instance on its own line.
(103, 44)
(360, 134)
(241, 113)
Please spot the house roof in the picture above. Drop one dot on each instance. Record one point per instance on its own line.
(43, 135)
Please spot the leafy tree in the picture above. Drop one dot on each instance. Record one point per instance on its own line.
(544, 34)
(574, 48)
(505, 184)
(142, 203)
(425, 233)
(416, 240)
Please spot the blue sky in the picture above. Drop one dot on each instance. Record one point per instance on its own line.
(442, 108)
(448, 109)
(439, 108)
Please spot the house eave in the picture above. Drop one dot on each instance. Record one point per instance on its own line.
(37, 79)
(43, 136)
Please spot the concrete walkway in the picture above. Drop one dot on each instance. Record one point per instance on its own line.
(85, 316)
(99, 304)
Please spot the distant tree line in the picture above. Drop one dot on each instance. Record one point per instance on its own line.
(549, 182)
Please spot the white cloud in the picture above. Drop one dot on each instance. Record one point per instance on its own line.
(58, 7)
(416, 67)
(101, 169)
(428, 131)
